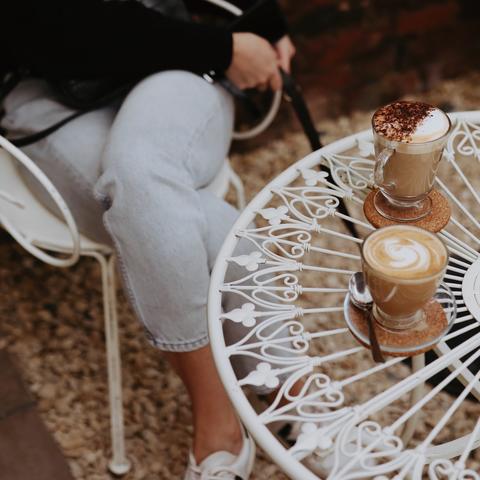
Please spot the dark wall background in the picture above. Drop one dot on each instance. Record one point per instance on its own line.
(362, 53)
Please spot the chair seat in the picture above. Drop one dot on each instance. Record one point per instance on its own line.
(37, 224)
(43, 229)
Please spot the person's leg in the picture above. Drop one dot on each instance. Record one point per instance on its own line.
(168, 141)
(215, 423)
(72, 157)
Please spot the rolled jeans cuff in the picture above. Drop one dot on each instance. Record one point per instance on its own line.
(187, 346)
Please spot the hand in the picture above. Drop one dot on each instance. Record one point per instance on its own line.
(254, 63)
(285, 51)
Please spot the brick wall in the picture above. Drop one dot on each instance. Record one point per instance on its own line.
(367, 52)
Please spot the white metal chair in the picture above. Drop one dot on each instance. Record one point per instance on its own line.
(40, 232)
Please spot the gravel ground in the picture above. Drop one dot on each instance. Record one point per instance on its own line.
(51, 320)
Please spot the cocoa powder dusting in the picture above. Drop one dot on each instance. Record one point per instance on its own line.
(398, 120)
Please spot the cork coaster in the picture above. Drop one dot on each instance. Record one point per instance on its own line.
(424, 335)
(435, 221)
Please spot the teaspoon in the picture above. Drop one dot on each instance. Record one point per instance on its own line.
(360, 296)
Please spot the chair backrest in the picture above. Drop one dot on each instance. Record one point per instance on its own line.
(24, 217)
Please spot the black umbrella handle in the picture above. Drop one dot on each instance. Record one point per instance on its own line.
(294, 93)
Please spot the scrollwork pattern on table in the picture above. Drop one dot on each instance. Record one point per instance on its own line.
(271, 287)
(312, 177)
(465, 140)
(280, 242)
(250, 261)
(274, 215)
(288, 243)
(244, 315)
(443, 469)
(307, 203)
(368, 447)
(352, 174)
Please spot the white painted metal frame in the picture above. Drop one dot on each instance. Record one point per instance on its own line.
(337, 437)
(41, 233)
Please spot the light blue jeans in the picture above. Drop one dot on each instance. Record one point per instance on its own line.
(135, 175)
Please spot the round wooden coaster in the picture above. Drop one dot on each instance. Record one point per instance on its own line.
(424, 335)
(434, 221)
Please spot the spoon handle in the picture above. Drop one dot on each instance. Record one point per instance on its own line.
(375, 347)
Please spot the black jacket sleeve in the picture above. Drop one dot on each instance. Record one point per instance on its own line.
(262, 17)
(96, 38)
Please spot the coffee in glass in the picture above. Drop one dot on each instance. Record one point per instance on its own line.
(403, 267)
(409, 138)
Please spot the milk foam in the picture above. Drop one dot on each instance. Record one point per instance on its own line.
(405, 252)
(410, 122)
(434, 126)
(401, 254)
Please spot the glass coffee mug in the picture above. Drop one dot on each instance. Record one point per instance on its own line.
(405, 173)
(403, 267)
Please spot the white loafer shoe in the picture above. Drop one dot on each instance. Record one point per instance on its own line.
(224, 465)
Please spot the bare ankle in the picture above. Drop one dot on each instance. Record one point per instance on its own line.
(215, 437)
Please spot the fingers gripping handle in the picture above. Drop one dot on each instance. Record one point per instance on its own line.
(59, 202)
(277, 96)
(380, 165)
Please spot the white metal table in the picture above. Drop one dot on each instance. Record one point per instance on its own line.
(352, 418)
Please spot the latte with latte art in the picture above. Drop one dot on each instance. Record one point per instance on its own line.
(405, 252)
(403, 267)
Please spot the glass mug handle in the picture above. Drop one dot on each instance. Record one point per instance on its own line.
(380, 164)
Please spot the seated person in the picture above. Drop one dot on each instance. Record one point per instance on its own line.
(134, 172)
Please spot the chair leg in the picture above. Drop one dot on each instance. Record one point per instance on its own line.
(119, 464)
(239, 189)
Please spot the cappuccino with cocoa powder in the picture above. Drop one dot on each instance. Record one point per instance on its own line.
(403, 267)
(410, 122)
(409, 139)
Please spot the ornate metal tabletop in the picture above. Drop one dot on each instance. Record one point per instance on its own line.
(286, 265)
